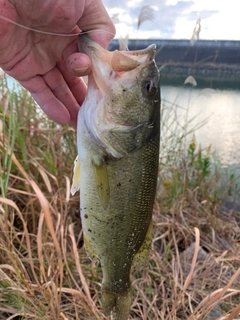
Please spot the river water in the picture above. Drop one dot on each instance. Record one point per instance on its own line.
(218, 109)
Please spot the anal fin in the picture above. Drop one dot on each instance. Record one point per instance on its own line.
(91, 253)
(141, 257)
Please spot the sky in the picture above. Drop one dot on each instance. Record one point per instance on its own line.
(174, 19)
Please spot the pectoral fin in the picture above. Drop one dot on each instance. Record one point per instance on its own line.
(102, 182)
(76, 177)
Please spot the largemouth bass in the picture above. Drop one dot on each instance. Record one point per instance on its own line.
(117, 166)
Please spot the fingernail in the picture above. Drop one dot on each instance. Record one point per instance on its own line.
(84, 70)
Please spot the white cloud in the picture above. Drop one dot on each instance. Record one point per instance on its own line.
(176, 18)
(133, 3)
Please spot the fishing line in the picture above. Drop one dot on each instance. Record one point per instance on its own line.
(59, 34)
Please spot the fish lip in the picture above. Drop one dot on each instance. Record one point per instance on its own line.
(88, 46)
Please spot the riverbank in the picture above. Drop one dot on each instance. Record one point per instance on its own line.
(193, 270)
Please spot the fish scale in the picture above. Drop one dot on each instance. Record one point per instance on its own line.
(118, 154)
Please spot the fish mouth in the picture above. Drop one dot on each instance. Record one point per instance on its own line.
(117, 79)
(108, 65)
(119, 60)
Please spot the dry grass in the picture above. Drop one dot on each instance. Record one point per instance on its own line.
(44, 272)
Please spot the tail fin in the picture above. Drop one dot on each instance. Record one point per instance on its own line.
(120, 303)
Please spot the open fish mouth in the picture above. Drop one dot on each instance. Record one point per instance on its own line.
(107, 66)
(114, 74)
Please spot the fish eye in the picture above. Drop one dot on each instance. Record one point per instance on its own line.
(150, 87)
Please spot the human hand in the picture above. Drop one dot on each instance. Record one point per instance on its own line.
(47, 65)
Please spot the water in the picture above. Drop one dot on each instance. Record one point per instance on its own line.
(221, 108)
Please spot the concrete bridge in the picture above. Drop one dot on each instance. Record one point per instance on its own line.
(211, 63)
